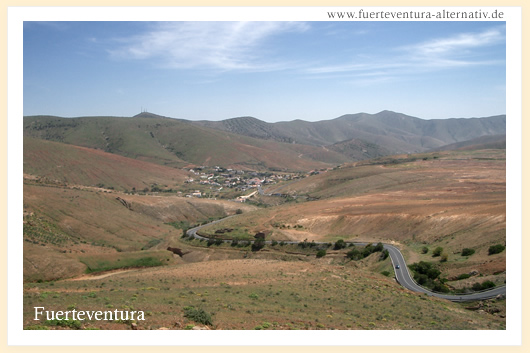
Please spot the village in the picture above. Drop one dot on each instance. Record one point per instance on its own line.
(238, 185)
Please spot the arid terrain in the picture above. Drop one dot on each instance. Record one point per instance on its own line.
(97, 227)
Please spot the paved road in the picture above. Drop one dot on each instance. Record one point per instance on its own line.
(403, 276)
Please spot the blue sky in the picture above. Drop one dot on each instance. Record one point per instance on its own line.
(274, 71)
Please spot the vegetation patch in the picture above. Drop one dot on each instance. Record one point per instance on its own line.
(427, 275)
(198, 315)
(496, 249)
(468, 252)
(358, 254)
(106, 262)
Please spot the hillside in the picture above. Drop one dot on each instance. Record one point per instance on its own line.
(479, 143)
(63, 224)
(395, 132)
(92, 167)
(178, 143)
(456, 200)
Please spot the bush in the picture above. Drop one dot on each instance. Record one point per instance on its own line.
(483, 286)
(464, 276)
(239, 211)
(339, 244)
(321, 253)
(444, 257)
(424, 250)
(437, 252)
(70, 323)
(258, 245)
(496, 249)
(425, 268)
(488, 285)
(354, 254)
(198, 315)
(468, 252)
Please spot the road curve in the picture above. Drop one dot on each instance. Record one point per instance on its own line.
(402, 273)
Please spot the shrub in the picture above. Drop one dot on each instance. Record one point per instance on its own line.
(496, 249)
(488, 285)
(258, 245)
(354, 254)
(385, 273)
(384, 255)
(437, 252)
(424, 250)
(444, 257)
(74, 324)
(464, 276)
(468, 252)
(477, 287)
(339, 244)
(425, 268)
(321, 253)
(239, 211)
(198, 315)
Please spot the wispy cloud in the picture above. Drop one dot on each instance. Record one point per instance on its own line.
(460, 50)
(207, 45)
(459, 44)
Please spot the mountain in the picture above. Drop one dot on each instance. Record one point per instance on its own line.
(396, 132)
(249, 143)
(178, 143)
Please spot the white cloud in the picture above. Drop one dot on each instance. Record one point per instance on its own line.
(459, 44)
(210, 45)
(437, 54)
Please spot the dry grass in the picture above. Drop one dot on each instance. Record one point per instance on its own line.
(271, 294)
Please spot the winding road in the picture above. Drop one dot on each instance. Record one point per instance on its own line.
(402, 273)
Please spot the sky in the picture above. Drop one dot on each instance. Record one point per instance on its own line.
(273, 71)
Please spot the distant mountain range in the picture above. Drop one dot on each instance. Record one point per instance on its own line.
(250, 143)
(395, 132)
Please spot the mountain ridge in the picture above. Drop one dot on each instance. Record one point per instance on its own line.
(247, 142)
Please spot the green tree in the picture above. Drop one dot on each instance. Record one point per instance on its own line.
(321, 253)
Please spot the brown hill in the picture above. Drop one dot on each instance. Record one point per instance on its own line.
(87, 166)
(455, 201)
(64, 224)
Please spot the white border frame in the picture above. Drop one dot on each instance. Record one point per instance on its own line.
(17, 336)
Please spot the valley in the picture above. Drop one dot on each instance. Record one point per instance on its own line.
(105, 197)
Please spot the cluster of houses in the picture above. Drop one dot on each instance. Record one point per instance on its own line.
(240, 180)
